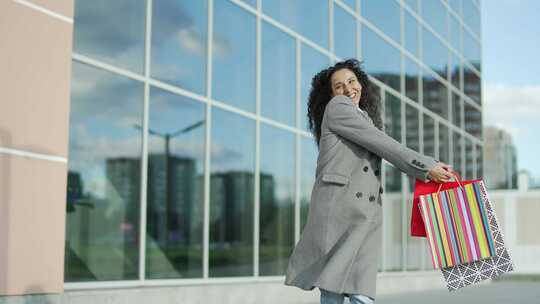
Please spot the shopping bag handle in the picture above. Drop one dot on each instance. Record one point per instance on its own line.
(456, 178)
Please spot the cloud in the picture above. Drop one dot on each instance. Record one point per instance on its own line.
(511, 107)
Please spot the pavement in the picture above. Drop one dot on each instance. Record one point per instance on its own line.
(509, 291)
(498, 292)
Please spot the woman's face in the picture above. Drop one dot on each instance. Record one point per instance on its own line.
(344, 82)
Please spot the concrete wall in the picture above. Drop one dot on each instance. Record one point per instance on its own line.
(35, 61)
(518, 212)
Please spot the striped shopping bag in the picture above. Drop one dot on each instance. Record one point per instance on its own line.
(457, 226)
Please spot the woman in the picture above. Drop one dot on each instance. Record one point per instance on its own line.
(339, 247)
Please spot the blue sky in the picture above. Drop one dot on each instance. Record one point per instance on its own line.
(511, 74)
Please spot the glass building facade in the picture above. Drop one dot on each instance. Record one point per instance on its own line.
(189, 151)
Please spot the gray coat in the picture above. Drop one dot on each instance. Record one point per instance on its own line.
(340, 245)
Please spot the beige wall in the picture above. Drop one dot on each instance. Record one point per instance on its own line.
(35, 61)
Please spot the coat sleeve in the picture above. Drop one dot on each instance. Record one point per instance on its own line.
(344, 120)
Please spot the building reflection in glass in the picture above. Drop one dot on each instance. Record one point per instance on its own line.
(429, 135)
(457, 146)
(277, 195)
(174, 186)
(435, 94)
(392, 115)
(412, 77)
(102, 223)
(232, 169)
(473, 85)
(309, 153)
(473, 120)
(412, 132)
(469, 160)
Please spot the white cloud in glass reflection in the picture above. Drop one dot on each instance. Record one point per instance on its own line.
(111, 30)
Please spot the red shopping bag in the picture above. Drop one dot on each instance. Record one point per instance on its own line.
(421, 188)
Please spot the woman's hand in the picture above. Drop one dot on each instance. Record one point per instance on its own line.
(442, 173)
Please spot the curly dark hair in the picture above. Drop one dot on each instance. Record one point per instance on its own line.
(321, 93)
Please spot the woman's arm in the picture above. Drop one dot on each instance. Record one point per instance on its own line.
(343, 119)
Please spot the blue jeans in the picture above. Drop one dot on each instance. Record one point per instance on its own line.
(328, 297)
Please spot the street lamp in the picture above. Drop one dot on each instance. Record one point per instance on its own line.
(168, 195)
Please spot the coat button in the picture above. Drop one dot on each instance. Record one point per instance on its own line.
(381, 190)
(365, 169)
(372, 198)
(376, 172)
(358, 194)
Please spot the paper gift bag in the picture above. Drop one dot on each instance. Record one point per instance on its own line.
(457, 226)
(466, 274)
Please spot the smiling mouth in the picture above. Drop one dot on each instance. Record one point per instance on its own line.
(352, 95)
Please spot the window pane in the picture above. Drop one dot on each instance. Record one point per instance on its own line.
(455, 71)
(434, 13)
(250, 2)
(479, 162)
(473, 86)
(455, 34)
(350, 3)
(435, 95)
(413, 127)
(392, 220)
(473, 120)
(232, 167)
(413, 4)
(102, 228)
(457, 152)
(233, 55)
(385, 15)
(444, 151)
(435, 54)
(179, 43)
(456, 110)
(112, 32)
(382, 60)
(312, 62)
(277, 195)
(471, 50)
(455, 5)
(308, 18)
(175, 190)
(411, 79)
(278, 77)
(429, 136)
(392, 113)
(308, 165)
(471, 16)
(411, 34)
(469, 158)
(344, 33)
